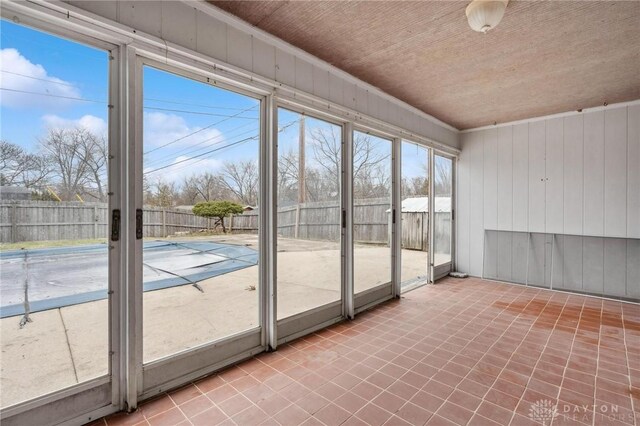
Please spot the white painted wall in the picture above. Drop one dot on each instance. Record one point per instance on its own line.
(232, 42)
(576, 174)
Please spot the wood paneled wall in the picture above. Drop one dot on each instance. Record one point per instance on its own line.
(575, 174)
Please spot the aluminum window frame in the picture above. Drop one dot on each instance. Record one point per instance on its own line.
(324, 315)
(375, 295)
(171, 365)
(64, 400)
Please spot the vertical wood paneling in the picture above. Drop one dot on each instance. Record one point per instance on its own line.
(372, 104)
(362, 100)
(211, 37)
(573, 175)
(462, 206)
(536, 176)
(285, 68)
(554, 172)
(264, 59)
(593, 265)
(145, 16)
(490, 178)
(349, 95)
(335, 89)
(304, 75)
(239, 49)
(107, 9)
(505, 178)
(572, 263)
(505, 253)
(320, 82)
(521, 177)
(178, 24)
(594, 173)
(633, 268)
(476, 219)
(633, 173)
(615, 172)
(615, 266)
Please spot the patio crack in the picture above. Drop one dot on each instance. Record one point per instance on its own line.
(66, 335)
(26, 318)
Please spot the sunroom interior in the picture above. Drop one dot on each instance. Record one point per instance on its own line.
(319, 213)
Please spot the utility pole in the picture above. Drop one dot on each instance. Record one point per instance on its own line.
(302, 184)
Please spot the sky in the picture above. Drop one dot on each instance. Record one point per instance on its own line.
(189, 126)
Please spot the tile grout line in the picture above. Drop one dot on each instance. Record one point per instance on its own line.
(566, 366)
(538, 360)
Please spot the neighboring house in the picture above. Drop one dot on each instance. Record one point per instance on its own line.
(15, 193)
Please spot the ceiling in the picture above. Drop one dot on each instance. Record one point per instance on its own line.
(543, 58)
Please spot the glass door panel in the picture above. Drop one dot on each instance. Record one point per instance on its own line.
(54, 253)
(308, 219)
(443, 195)
(415, 214)
(371, 211)
(201, 210)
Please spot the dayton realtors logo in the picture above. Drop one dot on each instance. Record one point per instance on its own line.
(543, 411)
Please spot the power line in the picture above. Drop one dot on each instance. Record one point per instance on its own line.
(201, 155)
(63, 83)
(201, 113)
(190, 150)
(195, 105)
(198, 157)
(53, 96)
(200, 130)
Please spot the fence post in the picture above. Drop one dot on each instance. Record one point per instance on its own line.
(230, 223)
(95, 222)
(164, 223)
(296, 229)
(14, 224)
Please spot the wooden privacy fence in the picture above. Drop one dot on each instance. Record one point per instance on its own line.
(46, 220)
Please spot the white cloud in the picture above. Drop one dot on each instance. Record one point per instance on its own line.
(23, 75)
(161, 129)
(182, 167)
(95, 125)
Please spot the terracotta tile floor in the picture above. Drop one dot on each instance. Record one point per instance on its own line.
(464, 352)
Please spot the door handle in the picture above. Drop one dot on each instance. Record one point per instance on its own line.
(115, 225)
(138, 224)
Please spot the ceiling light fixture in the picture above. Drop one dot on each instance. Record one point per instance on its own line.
(485, 15)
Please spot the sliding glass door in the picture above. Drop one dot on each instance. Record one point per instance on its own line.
(414, 188)
(309, 186)
(442, 222)
(60, 233)
(372, 217)
(201, 220)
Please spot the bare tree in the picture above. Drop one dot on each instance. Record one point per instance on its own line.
(163, 193)
(288, 177)
(20, 168)
(78, 159)
(443, 178)
(241, 179)
(96, 156)
(371, 168)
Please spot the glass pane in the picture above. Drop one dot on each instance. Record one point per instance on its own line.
(443, 187)
(371, 211)
(415, 214)
(309, 164)
(201, 207)
(54, 271)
